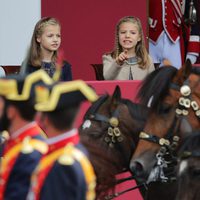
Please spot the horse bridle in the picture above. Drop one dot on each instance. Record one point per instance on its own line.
(188, 154)
(163, 141)
(185, 102)
(113, 133)
(169, 146)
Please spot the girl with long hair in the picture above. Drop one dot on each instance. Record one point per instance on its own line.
(129, 60)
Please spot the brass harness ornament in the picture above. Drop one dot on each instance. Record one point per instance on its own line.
(185, 102)
(114, 134)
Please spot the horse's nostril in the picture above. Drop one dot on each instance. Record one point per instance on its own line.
(136, 168)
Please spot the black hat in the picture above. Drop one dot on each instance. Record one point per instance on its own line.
(20, 87)
(63, 95)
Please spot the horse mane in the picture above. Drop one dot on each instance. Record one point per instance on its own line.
(196, 70)
(156, 85)
(136, 110)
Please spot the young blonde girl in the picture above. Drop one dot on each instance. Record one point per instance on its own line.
(129, 60)
(45, 42)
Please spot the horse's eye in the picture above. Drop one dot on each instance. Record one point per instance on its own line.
(164, 108)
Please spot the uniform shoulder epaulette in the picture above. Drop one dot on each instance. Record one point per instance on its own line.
(5, 135)
(29, 145)
(66, 158)
(62, 155)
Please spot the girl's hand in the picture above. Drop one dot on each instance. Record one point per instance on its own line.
(122, 57)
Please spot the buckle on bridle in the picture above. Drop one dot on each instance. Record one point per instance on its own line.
(143, 135)
(163, 141)
(185, 90)
(114, 122)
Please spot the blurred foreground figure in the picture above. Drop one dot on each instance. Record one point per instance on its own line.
(65, 172)
(25, 145)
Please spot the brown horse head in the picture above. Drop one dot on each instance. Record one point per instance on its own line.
(112, 124)
(169, 93)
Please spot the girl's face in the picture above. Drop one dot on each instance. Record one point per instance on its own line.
(50, 39)
(128, 35)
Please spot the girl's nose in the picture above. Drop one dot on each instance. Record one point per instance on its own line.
(127, 34)
(55, 38)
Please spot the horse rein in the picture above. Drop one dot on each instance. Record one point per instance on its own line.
(112, 196)
(166, 156)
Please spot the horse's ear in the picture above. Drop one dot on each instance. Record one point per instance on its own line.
(185, 70)
(188, 68)
(116, 94)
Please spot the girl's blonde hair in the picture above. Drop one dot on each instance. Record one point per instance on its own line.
(140, 49)
(34, 54)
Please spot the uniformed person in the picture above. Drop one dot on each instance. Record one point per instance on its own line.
(65, 172)
(25, 145)
(168, 32)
